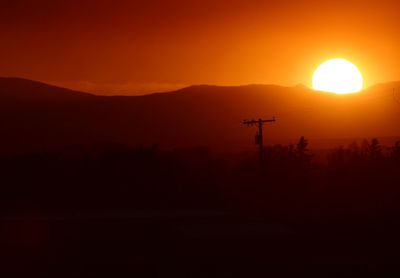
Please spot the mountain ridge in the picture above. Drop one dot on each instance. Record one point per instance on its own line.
(31, 89)
(196, 115)
(39, 84)
(17, 82)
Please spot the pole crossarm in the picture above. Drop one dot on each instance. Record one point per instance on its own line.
(257, 122)
(259, 136)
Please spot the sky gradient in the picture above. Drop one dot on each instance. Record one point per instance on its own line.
(135, 47)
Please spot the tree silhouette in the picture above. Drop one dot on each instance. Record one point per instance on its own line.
(302, 146)
(374, 149)
(301, 151)
(395, 151)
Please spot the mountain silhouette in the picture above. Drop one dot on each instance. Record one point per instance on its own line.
(18, 89)
(36, 116)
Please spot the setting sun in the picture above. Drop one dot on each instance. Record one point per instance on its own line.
(337, 76)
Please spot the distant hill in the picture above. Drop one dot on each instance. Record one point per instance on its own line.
(388, 87)
(28, 90)
(35, 116)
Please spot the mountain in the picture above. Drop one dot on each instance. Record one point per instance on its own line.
(388, 87)
(28, 90)
(35, 116)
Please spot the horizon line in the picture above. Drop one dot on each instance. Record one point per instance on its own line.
(116, 94)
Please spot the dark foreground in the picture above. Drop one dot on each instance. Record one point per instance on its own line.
(190, 244)
(109, 211)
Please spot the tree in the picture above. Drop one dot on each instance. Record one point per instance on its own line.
(301, 147)
(374, 149)
(395, 151)
(301, 151)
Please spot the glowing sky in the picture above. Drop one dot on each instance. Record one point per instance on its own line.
(155, 45)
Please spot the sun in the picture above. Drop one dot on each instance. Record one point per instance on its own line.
(337, 76)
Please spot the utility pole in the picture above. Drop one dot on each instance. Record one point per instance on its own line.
(259, 135)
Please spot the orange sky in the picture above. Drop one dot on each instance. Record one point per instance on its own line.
(130, 47)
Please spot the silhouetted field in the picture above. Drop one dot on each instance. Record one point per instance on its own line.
(106, 210)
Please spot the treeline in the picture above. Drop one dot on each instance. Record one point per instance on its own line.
(360, 181)
(367, 151)
(108, 177)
